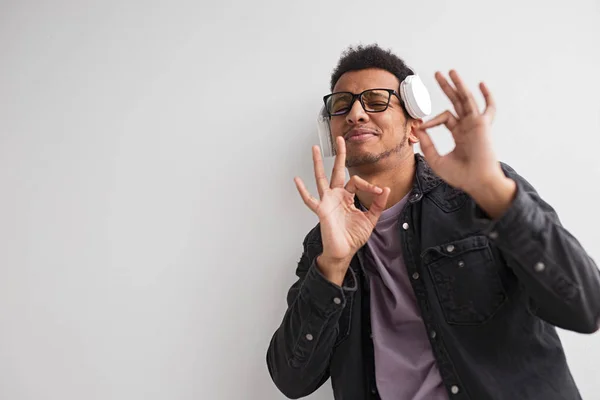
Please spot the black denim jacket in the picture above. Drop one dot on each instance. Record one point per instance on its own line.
(490, 294)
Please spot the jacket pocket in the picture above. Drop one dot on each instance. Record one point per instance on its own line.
(466, 280)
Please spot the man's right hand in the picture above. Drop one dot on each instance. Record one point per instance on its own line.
(344, 228)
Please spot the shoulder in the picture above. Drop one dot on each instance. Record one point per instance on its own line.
(514, 175)
(313, 236)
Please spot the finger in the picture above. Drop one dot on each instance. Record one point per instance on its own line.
(358, 184)
(320, 177)
(428, 148)
(450, 93)
(338, 176)
(490, 104)
(469, 104)
(308, 199)
(446, 118)
(377, 206)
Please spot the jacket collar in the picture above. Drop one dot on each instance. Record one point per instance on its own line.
(425, 179)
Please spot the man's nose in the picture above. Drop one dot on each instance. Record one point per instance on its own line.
(357, 114)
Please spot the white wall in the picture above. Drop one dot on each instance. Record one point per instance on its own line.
(149, 224)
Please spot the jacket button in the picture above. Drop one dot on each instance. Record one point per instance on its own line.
(539, 267)
(454, 389)
(309, 337)
(405, 226)
(433, 334)
(337, 301)
(450, 248)
(415, 275)
(493, 235)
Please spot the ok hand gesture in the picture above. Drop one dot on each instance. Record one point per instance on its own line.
(344, 228)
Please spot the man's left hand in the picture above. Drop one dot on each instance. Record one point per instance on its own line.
(472, 166)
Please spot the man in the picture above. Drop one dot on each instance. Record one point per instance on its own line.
(435, 277)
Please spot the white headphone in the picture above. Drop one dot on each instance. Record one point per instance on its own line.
(414, 95)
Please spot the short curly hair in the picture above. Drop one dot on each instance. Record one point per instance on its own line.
(370, 56)
(356, 58)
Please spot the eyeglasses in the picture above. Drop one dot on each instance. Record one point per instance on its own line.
(372, 101)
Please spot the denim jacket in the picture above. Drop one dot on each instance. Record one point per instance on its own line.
(490, 292)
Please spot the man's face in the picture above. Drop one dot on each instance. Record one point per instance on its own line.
(377, 136)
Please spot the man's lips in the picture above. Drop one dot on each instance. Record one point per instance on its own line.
(359, 135)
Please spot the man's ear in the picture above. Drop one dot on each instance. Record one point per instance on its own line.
(413, 124)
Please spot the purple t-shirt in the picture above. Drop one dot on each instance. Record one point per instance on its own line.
(405, 367)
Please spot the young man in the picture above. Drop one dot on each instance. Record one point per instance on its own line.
(435, 277)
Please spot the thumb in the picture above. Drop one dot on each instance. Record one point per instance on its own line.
(378, 205)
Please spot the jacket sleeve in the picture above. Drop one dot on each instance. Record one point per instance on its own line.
(561, 279)
(299, 352)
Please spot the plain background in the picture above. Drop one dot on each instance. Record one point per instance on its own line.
(149, 223)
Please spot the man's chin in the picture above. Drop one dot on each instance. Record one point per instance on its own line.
(357, 160)
(363, 157)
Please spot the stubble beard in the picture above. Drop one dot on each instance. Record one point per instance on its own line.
(370, 158)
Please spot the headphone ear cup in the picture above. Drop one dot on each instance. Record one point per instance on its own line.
(415, 96)
(324, 133)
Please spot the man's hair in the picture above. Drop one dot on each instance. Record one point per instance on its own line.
(370, 56)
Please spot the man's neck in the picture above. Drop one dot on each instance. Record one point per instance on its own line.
(399, 178)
